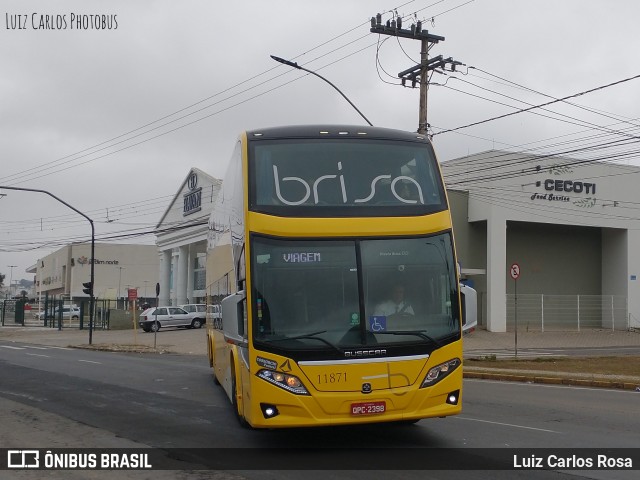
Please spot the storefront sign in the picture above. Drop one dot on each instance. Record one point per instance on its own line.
(564, 190)
(192, 202)
(574, 186)
(85, 261)
(193, 199)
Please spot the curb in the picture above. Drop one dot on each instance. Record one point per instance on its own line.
(122, 348)
(529, 378)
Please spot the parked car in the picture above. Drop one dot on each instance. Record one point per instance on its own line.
(194, 307)
(155, 318)
(198, 311)
(68, 312)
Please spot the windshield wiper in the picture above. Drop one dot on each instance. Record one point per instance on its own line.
(418, 333)
(308, 336)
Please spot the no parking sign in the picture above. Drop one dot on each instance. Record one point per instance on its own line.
(514, 271)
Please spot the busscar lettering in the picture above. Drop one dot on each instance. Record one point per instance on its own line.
(399, 194)
(365, 353)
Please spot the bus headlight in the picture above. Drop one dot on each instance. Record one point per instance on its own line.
(288, 382)
(438, 372)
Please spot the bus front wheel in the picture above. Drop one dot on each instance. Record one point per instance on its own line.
(234, 399)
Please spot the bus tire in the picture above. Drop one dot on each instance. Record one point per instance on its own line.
(234, 399)
(209, 352)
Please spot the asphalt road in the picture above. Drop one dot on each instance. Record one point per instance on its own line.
(170, 401)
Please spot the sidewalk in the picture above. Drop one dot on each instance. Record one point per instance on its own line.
(476, 345)
(482, 344)
(182, 341)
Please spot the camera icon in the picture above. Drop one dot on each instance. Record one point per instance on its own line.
(23, 459)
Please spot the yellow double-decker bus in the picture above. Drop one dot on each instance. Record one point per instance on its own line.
(332, 258)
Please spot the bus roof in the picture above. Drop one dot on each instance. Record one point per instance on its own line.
(324, 131)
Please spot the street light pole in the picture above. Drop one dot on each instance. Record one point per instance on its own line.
(93, 248)
(11, 280)
(295, 65)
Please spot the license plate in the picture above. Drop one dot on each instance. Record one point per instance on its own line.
(368, 408)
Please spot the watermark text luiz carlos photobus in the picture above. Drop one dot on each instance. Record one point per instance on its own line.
(266, 458)
(62, 21)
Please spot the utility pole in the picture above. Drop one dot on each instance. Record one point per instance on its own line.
(11, 280)
(418, 73)
(424, 86)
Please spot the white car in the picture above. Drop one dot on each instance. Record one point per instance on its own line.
(155, 318)
(68, 312)
(195, 308)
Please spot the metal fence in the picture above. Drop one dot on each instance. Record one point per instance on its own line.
(568, 312)
(7, 312)
(49, 314)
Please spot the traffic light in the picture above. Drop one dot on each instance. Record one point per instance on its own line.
(88, 288)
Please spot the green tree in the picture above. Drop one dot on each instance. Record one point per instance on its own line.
(2, 279)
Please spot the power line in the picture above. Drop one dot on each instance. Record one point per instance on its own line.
(591, 110)
(602, 87)
(119, 139)
(572, 120)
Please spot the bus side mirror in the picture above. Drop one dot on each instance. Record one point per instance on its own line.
(469, 299)
(233, 318)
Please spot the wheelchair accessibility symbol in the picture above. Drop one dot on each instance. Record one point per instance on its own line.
(378, 323)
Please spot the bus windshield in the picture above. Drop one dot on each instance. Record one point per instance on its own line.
(306, 293)
(344, 177)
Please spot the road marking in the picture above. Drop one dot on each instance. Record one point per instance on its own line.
(12, 348)
(37, 348)
(506, 424)
(59, 348)
(90, 361)
(37, 355)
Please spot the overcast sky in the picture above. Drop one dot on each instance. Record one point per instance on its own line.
(111, 119)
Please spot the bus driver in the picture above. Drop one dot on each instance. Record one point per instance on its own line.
(396, 304)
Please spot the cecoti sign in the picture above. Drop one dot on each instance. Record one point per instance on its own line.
(569, 186)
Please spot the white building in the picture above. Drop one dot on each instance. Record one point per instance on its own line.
(117, 267)
(571, 227)
(181, 238)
